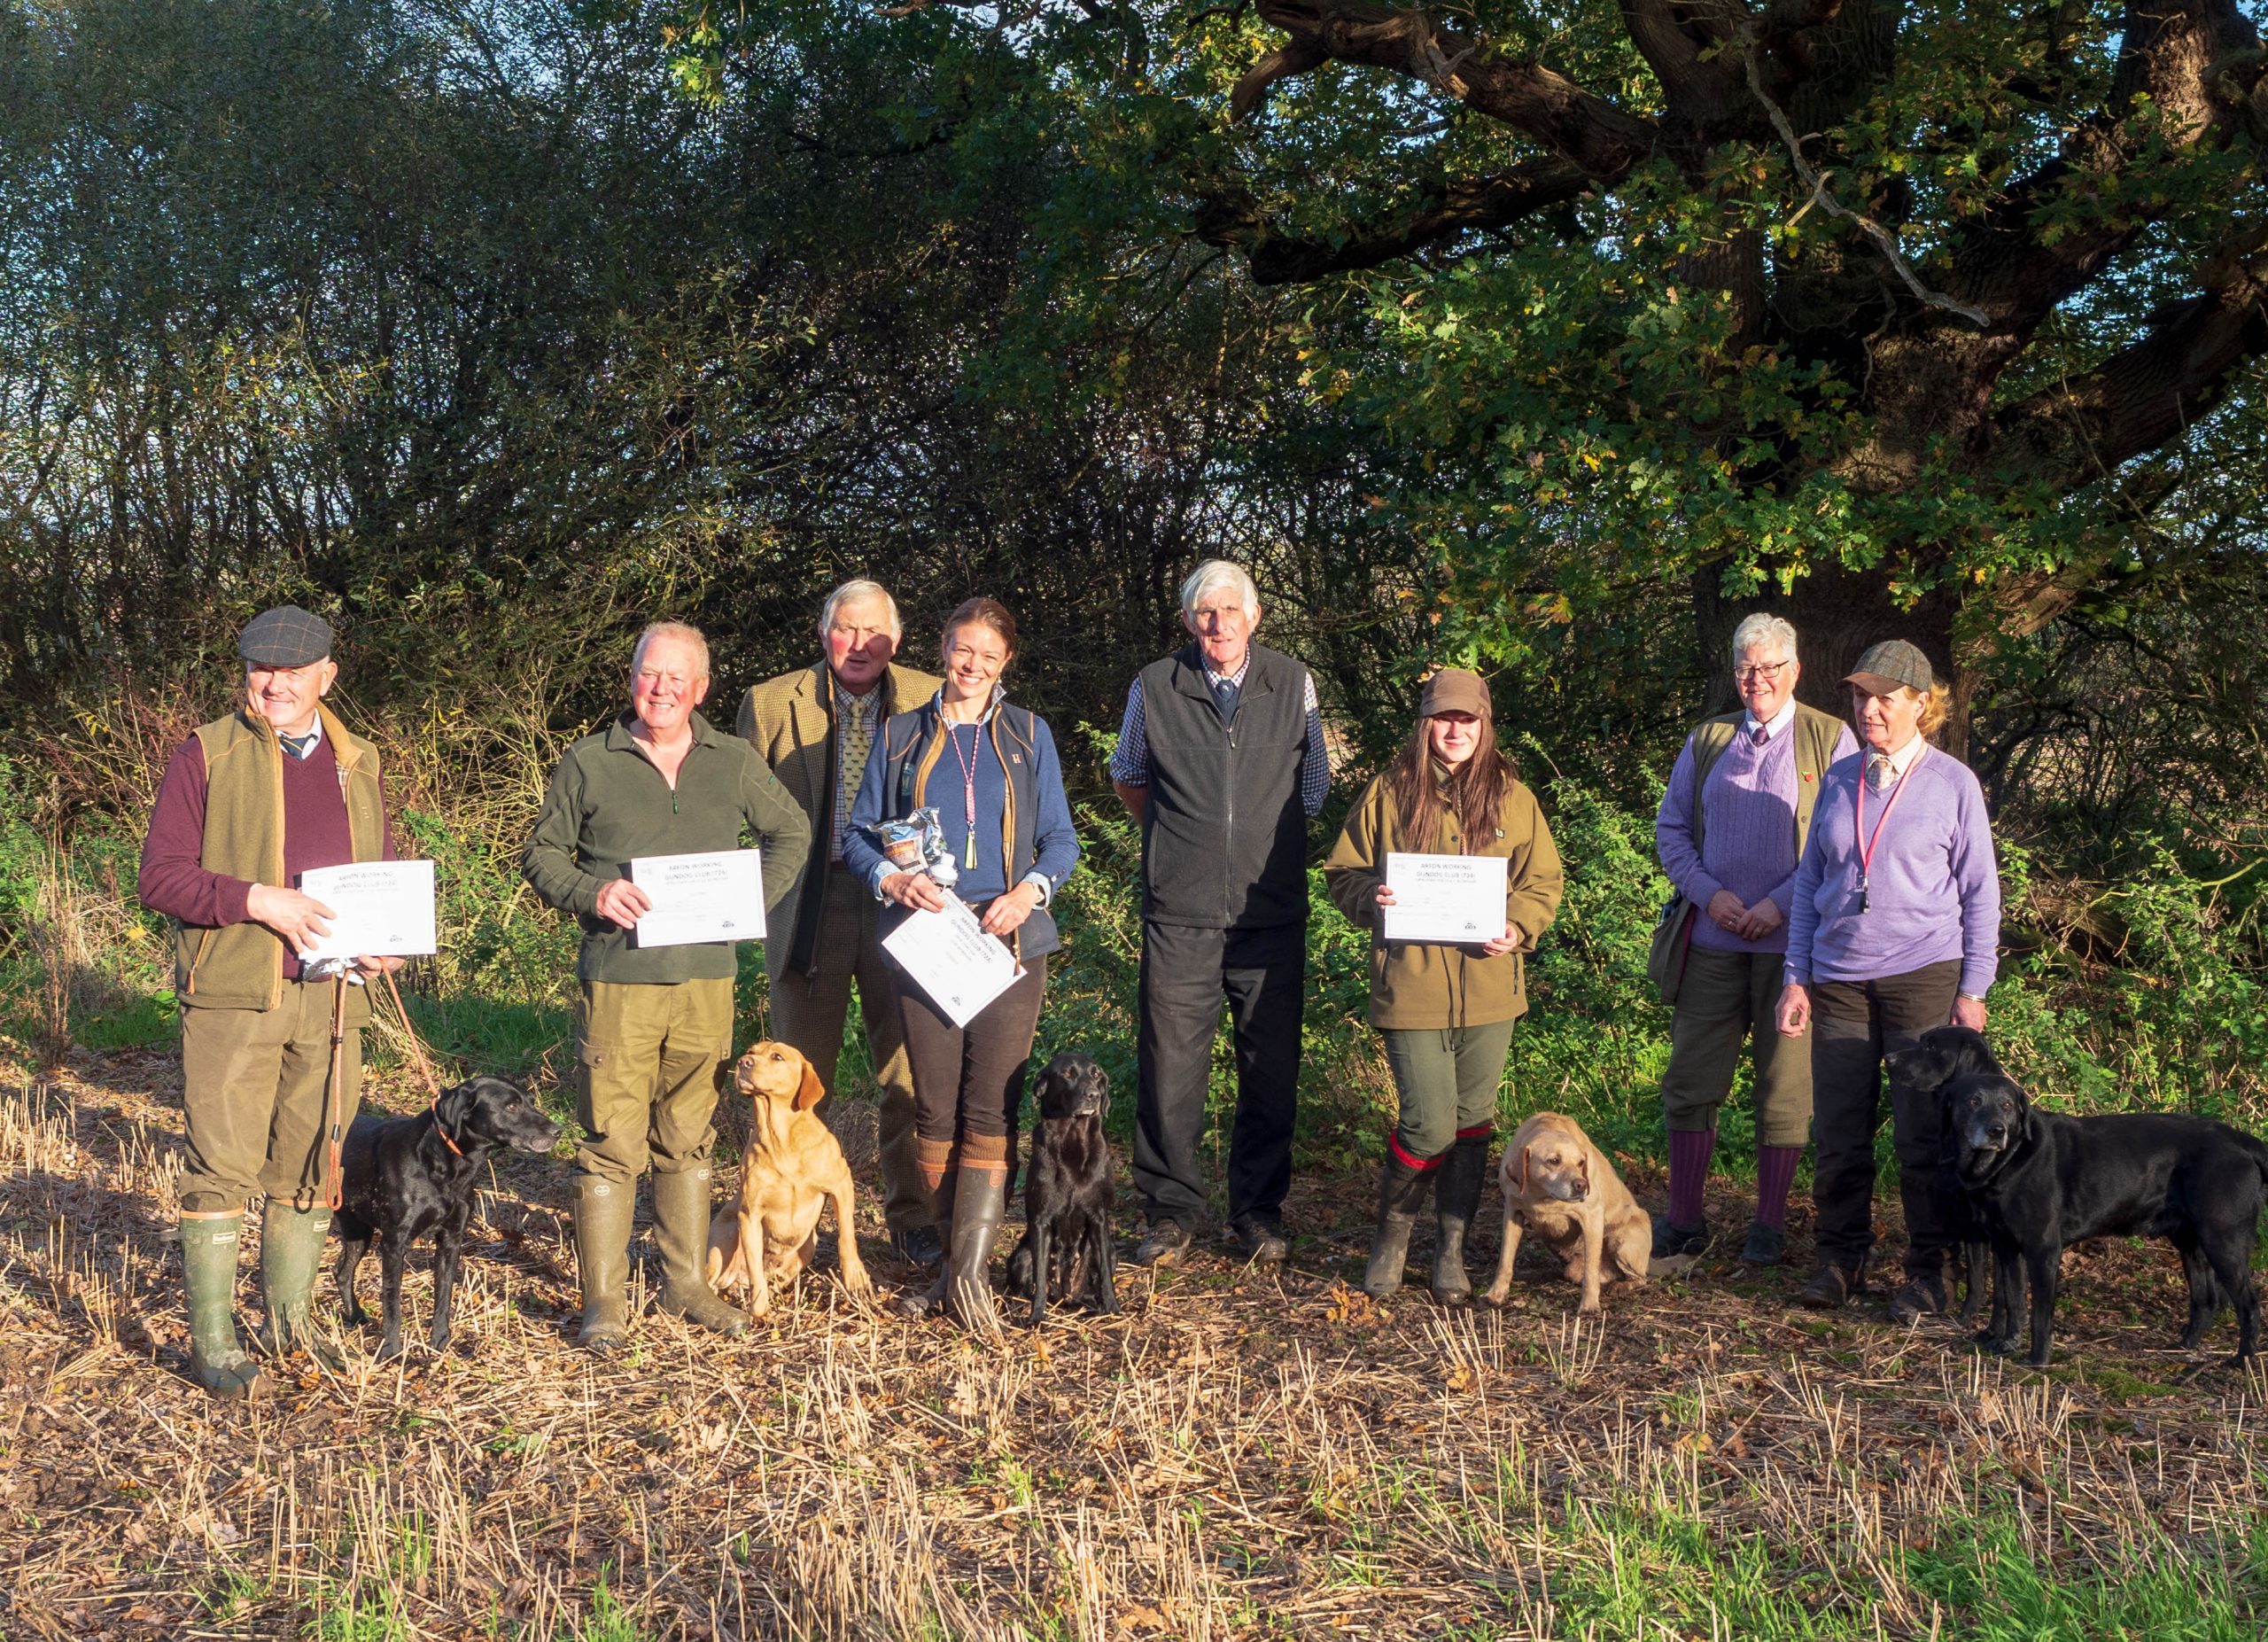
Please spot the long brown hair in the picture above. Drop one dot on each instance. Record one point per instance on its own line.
(1476, 789)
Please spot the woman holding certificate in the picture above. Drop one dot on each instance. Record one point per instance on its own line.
(1426, 853)
(983, 779)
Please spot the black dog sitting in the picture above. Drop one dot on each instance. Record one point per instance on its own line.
(1068, 1194)
(2042, 1181)
(407, 1178)
(1944, 1054)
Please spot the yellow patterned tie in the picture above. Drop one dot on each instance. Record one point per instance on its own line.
(854, 718)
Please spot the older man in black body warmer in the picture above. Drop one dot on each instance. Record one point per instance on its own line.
(1220, 759)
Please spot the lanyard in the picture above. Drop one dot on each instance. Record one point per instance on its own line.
(967, 781)
(1859, 835)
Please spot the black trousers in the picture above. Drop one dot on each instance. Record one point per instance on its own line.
(968, 1081)
(1184, 974)
(1854, 1023)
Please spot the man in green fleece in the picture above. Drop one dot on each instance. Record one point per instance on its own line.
(651, 1026)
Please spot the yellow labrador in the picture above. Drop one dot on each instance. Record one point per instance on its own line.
(1562, 1188)
(793, 1169)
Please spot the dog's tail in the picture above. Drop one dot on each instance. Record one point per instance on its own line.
(2255, 1150)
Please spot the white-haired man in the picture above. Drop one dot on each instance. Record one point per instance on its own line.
(1220, 760)
(815, 727)
(652, 1024)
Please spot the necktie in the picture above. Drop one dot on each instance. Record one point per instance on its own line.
(1879, 772)
(855, 725)
(1759, 735)
(298, 746)
(1225, 692)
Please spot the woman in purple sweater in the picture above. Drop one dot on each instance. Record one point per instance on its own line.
(1895, 930)
(1730, 834)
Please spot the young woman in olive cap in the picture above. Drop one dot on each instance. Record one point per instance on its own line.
(1446, 1011)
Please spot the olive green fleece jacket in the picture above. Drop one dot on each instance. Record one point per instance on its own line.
(1425, 984)
(608, 804)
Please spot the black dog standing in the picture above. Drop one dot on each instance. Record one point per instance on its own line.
(407, 1178)
(2042, 1181)
(1942, 1054)
(1069, 1194)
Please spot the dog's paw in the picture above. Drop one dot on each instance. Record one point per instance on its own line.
(1999, 1345)
(858, 1286)
(1590, 1308)
(1497, 1297)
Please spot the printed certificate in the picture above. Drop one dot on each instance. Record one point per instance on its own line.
(951, 958)
(379, 909)
(718, 896)
(1454, 899)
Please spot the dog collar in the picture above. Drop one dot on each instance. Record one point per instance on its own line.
(441, 1129)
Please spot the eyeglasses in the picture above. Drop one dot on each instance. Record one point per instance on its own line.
(1759, 671)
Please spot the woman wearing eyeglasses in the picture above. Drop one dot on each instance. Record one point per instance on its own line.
(1730, 833)
(990, 771)
(1895, 929)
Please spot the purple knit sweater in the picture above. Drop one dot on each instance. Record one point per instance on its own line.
(1748, 842)
(1935, 892)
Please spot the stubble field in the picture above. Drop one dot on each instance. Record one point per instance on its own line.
(1239, 1453)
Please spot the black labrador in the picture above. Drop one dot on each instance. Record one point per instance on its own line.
(1068, 1194)
(2042, 1181)
(407, 1178)
(1942, 1054)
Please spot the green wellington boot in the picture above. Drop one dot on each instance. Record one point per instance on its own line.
(980, 1203)
(1401, 1193)
(208, 1260)
(681, 1229)
(290, 1254)
(1457, 1198)
(602, 1214)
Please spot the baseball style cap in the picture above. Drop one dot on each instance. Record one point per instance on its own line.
(1453, 690)
(1890, 664)
(286, 636)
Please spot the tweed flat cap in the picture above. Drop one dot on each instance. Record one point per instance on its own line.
(286, 636)
(1890, 664)
(1453, 689)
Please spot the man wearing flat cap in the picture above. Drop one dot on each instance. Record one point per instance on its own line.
(249, 802)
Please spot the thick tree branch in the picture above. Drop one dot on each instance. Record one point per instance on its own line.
(1473, 203)
(2082, 430)
(1880, 237)
(2198, 64)
(1583, 129)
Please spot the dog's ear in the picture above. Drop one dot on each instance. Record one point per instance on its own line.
(1519, 1181)
(454, 1104)
(2023, 1109)
(811, 1092)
